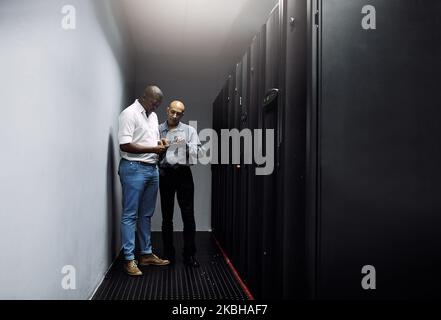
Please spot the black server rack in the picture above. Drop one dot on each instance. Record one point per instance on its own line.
(351, 89)
(215, 169)
(271, 114)
(293, 105)
(243, 171)
(254, 212)
(378, 148)
(229, 213)
(235, 169)
(223, 169)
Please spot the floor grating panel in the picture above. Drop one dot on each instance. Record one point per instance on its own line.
(212, 281)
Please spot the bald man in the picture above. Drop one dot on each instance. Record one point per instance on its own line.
(176, 178)
(140, 147)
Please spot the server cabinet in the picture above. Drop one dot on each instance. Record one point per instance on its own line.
(293, 102)
(229, 171)
(244, 122)
(223, 169)
(243, 171)
(355, 191)
(235, 186)
(272, 217)
(254, 195)
(378, 149)
(215, 169)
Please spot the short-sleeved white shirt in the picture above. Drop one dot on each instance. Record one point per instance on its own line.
(136, 127)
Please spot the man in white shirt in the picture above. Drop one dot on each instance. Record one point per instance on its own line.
(140, 146)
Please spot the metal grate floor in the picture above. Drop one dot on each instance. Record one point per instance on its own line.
(213, 280)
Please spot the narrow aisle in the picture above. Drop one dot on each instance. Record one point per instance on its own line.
(211, 281)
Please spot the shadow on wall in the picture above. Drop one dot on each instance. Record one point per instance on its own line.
(112, 211)
(111, 18)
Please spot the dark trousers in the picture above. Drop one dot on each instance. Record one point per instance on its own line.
(177, 181)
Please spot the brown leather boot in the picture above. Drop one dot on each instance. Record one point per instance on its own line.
(131, 268)
(152, 260)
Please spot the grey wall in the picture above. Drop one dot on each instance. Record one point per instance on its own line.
(60, 93)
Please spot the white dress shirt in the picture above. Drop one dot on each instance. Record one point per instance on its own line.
(135, 126)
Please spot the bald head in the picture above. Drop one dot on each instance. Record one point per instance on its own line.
(153, 91)
(175, 112)
(178, 105)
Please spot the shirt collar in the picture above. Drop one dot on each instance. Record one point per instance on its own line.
(165, 126)
(140, 108)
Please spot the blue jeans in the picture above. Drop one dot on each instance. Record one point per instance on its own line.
(140, 188)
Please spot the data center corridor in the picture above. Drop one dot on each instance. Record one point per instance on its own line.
(322, 123)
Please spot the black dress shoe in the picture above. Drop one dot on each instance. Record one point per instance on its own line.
(191, 262)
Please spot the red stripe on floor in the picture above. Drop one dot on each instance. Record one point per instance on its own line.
(235, 273)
